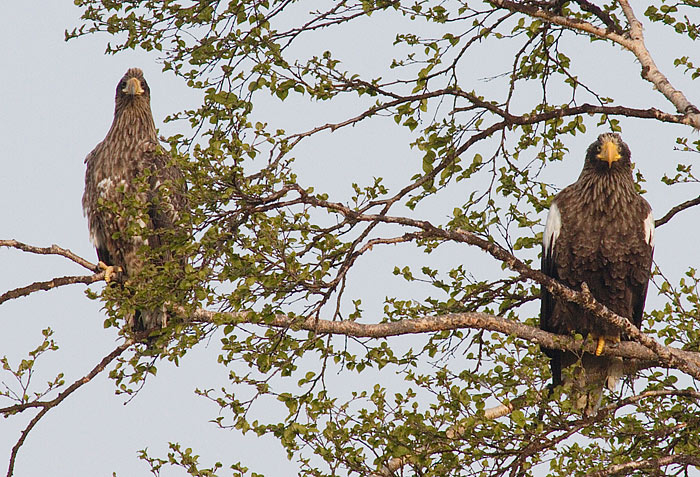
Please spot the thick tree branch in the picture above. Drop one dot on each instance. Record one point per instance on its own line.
(583, 298)
(48, 405)
(452, 321)
(569, 23)
(651, 72)
(670, 356)
(598, 12)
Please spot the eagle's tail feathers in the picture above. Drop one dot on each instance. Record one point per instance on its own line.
(595, 374)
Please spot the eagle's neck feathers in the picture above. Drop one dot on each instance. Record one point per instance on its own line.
(603, 193)
(133, 123)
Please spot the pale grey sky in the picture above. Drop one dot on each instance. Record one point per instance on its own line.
(56, 104)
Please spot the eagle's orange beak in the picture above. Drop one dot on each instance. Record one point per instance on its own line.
(133, 87)
(609, 152)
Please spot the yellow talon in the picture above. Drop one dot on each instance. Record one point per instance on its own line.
(110, 270)
(600, 347)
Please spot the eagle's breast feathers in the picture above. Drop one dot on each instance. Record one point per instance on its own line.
(610, 252)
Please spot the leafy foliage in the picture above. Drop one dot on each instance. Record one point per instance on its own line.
(469, 154)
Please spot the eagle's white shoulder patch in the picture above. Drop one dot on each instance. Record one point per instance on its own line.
(105, 185)
(108, 186)
(552, 229)
(649, 229)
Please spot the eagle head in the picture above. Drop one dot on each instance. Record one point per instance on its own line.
(609, 152)
(132, 88)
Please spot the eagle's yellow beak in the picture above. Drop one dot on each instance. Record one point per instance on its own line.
(133, 87)
(609, 152)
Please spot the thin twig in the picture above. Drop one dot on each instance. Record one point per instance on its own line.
(685, 205)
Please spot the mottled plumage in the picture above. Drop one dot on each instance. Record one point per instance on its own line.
(126, 168)
(599, 231)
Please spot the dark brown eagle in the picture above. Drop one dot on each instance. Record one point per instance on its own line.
(599, 231)
(126, 172)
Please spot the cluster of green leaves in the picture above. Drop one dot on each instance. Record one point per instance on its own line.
(20, 390)
(265, 243)
(668, 14)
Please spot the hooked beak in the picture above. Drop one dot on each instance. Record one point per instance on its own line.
(133, 87)
(609, 152)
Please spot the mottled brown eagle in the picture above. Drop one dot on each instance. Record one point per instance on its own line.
(599, 231)
(127, 172)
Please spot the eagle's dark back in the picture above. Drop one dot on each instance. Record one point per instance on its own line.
(599, 232)
(124, 170)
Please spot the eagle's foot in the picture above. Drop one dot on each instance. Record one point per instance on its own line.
(110, 271)
(601, 346)
(601, 343)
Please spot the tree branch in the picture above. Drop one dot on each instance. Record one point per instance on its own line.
(452, 321)
(52, 250)
(54, 282)
(396, 463)
(647, 464)
(509, 119)
(685, 205)
(669, 357)
(570, 23)
(651, 72)
(49, 285)
(598, 12)
(634, 43)
(48, 405)
(583, 298)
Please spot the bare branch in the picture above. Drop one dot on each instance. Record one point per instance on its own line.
(685, 205)
(52, 250)
(452, 321)
(49, 285)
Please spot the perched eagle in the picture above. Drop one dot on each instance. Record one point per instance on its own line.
(599, 231)
(127, 172)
